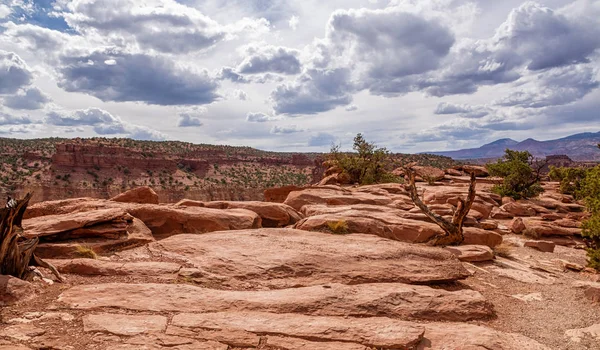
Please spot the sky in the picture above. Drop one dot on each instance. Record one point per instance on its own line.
(411, 75)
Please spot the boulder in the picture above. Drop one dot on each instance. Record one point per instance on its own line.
(137, 234)
(480, 171)
(166, 220)
(517, 225)
(454, 172)
(506, 200)
(281, 258)
(271, 214)
(518, 209)
(333, 196)
(539, 228)
(472, 253)
(330, 180)
(279, 194)
(142, 195)
(543, 246)
(570, 223)
(429, 173)
(14, 290)
(477, 236)
(393, 300)
(501, 214)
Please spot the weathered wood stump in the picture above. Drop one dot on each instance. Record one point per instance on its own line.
(17, 257)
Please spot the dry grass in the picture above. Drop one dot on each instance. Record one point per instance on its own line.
(85, 252)
(338, 227)
(504, 250)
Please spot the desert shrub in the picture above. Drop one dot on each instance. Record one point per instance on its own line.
(339, 227)
(570, 179)
(368, 165)
(521, 175)
(590, 191)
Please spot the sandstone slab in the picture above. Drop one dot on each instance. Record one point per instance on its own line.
(372, 332)
(288, 257)
(472, 253)
(92, 267)
(543, 246)
(392, 300)
(119, 324)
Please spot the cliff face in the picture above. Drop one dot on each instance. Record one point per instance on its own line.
(86, 168)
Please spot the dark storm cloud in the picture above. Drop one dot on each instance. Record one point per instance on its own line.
(270, 59)
(14, 73)
(117, 76)
(30, 99)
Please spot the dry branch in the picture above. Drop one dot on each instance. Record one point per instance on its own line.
(453, 229)
(17, 257)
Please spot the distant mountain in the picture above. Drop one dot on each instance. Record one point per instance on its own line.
(581, 147)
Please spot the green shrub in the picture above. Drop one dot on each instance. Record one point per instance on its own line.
(369, 165)
(570, 179)
(521, 175)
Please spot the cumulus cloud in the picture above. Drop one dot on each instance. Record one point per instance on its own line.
(316, 90)
(259, 117)
(162, 25)
(136, 77)
(103, 123)
(321, 139)
(8, 119)
(545, 39)
(267, 58)
(14, 73)
(283, 130)
(30, 99)
(191, 118)
(559, 86)
(351, 108)
(5, 11)
(33, 37)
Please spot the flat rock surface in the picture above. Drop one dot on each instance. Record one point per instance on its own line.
(282, 258)
(374, 331)
(124, 324)
(366, 300)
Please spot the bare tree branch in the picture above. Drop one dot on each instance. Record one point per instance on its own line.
(453, 229)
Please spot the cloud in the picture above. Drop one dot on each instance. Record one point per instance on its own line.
(191, 118)
(284, 130)
(293, 22)
(321, 139)
(316, 90)
(351, 108)
(30, 99)
(103, 123)
(164, 26)
(545, 38)
(259, 117)
(5, 11)
(558, 86)
(465, 111)
(266, 58)
(136, 77)
(33, 37)
(14, 73)
(7, 119)
(240, 95)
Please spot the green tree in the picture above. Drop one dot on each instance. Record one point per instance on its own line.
(590, 188)
(521, 173)
(368, 165)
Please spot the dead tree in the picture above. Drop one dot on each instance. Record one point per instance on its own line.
(453, 230)
(17, 257)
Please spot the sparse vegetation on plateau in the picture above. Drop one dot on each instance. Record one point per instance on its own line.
(339, 227)
(85, 252)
